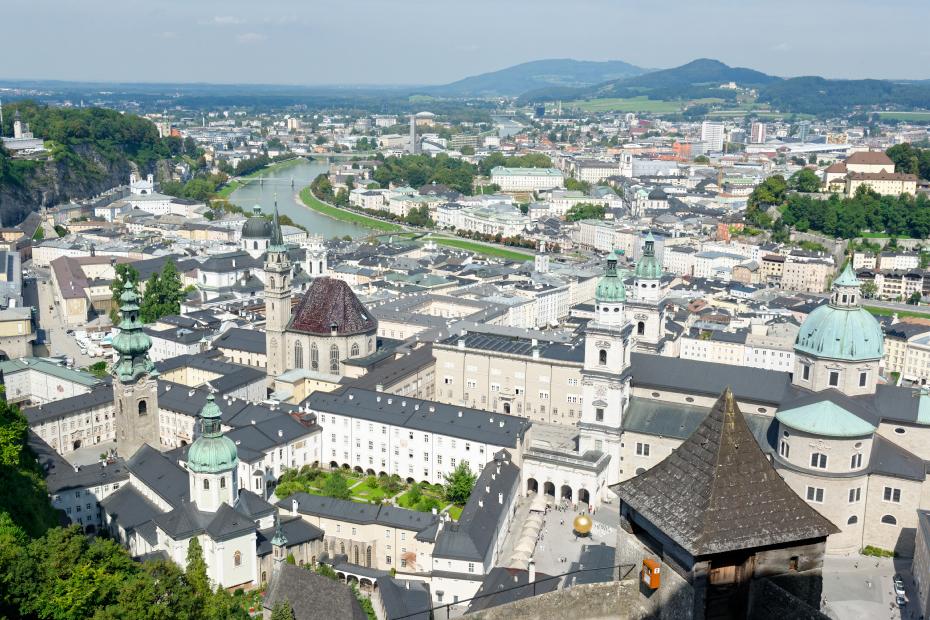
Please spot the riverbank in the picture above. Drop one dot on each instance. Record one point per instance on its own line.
(480, 248)
(311, 201)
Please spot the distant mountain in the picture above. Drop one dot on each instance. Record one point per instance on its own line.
(698, 78)
(558, 73)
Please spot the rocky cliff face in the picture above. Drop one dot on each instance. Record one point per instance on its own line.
(53, 183)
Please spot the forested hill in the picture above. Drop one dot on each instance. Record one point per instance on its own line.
(557, 72)
(89, 150)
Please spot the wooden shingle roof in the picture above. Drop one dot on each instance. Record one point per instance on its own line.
(718, 492)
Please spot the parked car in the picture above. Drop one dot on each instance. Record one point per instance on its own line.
(901, 602)
(898, 585)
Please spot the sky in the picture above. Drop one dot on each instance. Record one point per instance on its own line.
(439, 41)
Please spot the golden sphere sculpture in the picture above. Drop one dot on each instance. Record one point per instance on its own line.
(582, 525)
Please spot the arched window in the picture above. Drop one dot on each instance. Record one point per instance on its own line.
(264, 577)
(355, 350)
(320, 270)
(143, 407)
(255, 245)
(368, 557)
(640, 328)
(222, 482)
(237, 558)
(334, 359)
(356, 556)
(852, 520)
(371, 344)
(602, 357)
(342, 548)
(310, 267)
(889, 519)
(314, 357)
(298, 355)
(206, 484)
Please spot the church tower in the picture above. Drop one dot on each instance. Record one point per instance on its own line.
(135, 384)
(212, 462)
(316, 259)
(605, 389)
(277, 298)
(646, 306)
(541, 260)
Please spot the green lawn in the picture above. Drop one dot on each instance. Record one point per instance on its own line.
(345, 215)
(478, 248)
(905, 116)
(901, 313)
(228, 189)
(874, 235)
(455, 511)
(629, 104)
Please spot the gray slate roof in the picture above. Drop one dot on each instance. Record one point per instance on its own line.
(159, 473)
(312, 596)
(355, 512)
(718, 492)
(238, 339)
(422, 415)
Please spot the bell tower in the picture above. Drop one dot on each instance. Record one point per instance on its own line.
(646, 306)
(277, 298)
(135, 381)
(604, 386)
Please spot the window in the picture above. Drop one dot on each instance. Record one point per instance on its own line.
(355, 350)
(237, 558)
(815, 494)
(856, 461)
(892, 494)
(852, 520)
(206, 484)
(863, 379)
(334, 359)
(602, 357)
(314, 357)
(805, 372)
(599, 414)
(834, 378)
(298, 355)
(223, 482)
(143, 407)
(403, 563)
(642, 449)
(471, 567)
(387, 560)
(855, 495)
(818, 460)
(784, 449)
(640, 328)
(889, 520)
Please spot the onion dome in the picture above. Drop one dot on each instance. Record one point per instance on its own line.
(648, 267)
(842, 329)
(611, 289)
(212, 452)
(131, 342)
(257, 226)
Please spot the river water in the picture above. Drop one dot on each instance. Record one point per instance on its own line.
(506, 126)
(278, 180)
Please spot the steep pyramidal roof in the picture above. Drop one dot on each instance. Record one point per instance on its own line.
(328, 303)
(718, 492)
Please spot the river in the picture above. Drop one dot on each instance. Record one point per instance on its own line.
(506, 126)
(289, 203)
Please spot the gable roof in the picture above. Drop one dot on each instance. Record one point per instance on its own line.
(312, 596)
(718, 492)
(329, 302)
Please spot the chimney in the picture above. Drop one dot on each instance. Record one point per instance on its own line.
(535, 353)
(500, 498)
(480, 503)
(461, 343)
(487, 488)
(531, 569)
(407, 583)
(379, 387)
(280, 433)
(294, 505)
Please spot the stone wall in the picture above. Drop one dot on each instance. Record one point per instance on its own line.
(768, 601)
(600, 601)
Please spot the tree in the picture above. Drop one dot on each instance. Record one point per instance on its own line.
(805, 180)
(125, 272)
(869, 289)
(282, 611)
(197, 568)
(701, 159)
(459, 484)
(336, 486)
(585, 211)
(915, 298)
(163, 294)
(467, 150)
(576, 185)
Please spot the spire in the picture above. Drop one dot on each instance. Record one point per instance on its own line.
(210, 418)
(279, 539)
(132, 343)
(277, 239)
(648, 267)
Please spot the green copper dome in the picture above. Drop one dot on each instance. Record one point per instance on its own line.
(842, 329)
(611, 288)
(212, 452)
(131, 342)
(648, 267)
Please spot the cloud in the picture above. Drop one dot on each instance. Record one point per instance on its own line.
(226, 20)
(784, 46)
(250, 37)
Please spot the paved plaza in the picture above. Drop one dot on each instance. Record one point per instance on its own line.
(857, 586)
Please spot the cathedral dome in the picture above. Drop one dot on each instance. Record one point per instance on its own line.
(212, 452)
(842, 329)
(257, 227)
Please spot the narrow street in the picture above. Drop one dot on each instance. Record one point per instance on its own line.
(38, 292)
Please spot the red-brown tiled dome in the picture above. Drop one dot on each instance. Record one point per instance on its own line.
(331, 302)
